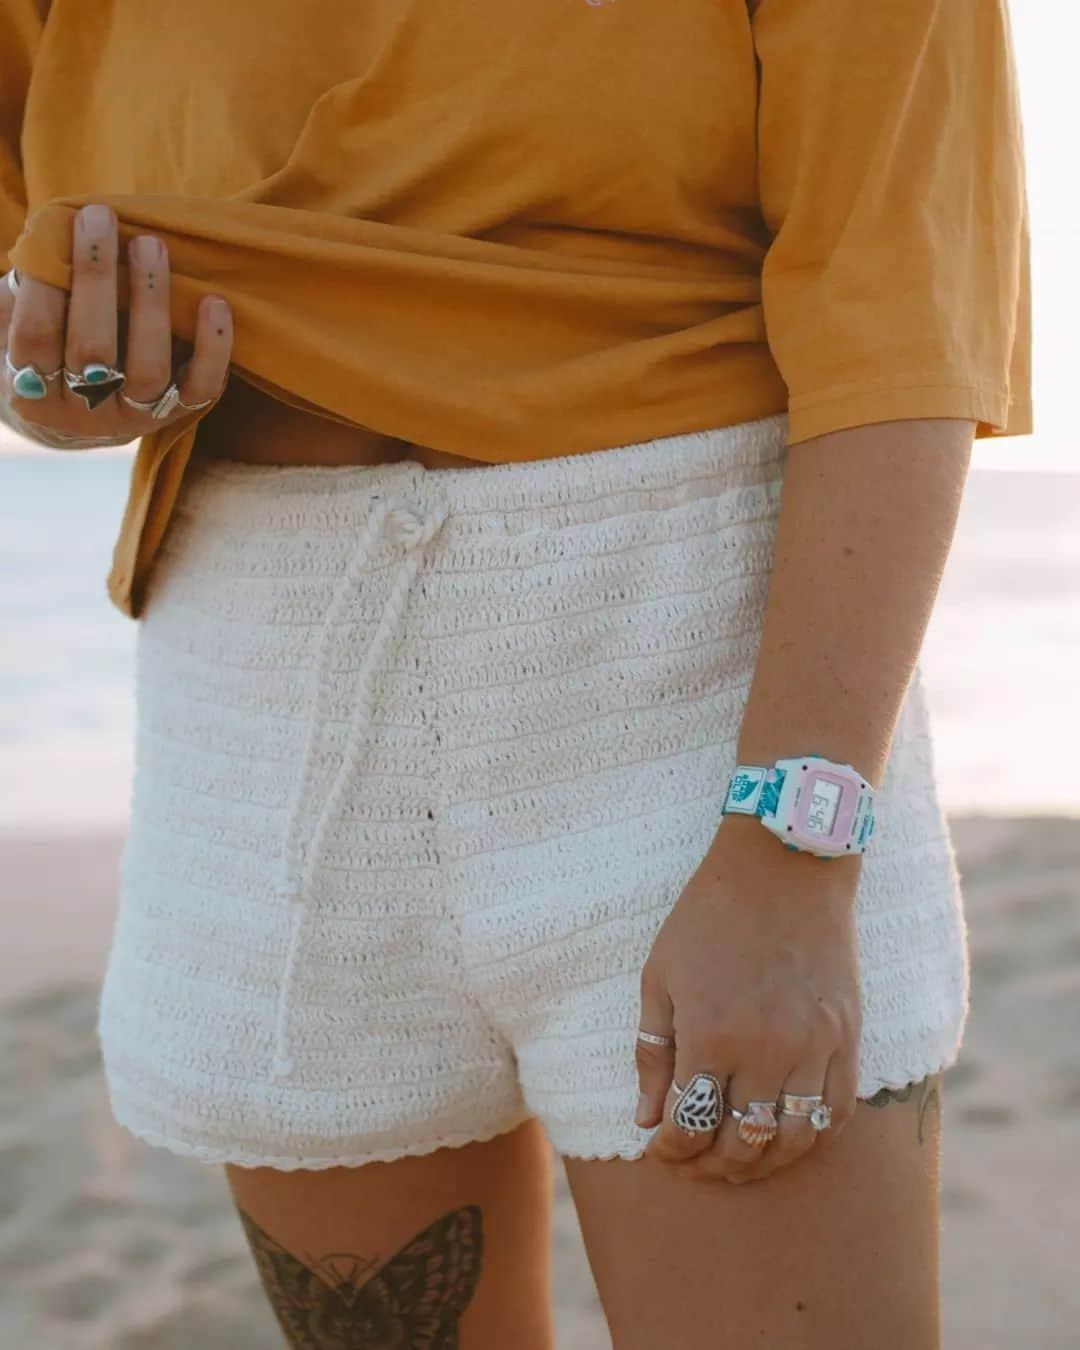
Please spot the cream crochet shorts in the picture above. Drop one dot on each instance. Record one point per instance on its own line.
(423, 759)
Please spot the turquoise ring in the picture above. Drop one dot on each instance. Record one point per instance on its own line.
(94, 383)
(29, 381)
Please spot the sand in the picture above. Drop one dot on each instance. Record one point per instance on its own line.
(105, 1242)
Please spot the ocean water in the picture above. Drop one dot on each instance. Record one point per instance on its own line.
(1002, 657)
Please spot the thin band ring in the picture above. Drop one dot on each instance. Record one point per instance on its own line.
(812, 1106)
(159, 408)
(651, 1039)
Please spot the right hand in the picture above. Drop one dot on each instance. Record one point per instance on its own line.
(49, 327)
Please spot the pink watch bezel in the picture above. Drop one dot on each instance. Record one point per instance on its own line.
(840, 834)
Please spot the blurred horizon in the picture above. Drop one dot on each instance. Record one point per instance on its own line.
(1000, 661)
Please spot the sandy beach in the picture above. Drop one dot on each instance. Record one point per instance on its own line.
(109, 1244)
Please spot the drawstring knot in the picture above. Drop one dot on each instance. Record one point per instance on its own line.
(413, 529)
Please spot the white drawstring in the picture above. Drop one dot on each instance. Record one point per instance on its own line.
(414, 532)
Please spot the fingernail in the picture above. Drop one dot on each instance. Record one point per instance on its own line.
(96, 221)
(641, 1115)
(146, 249)
(219, 309)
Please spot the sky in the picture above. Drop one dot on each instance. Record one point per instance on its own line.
(1046, 38)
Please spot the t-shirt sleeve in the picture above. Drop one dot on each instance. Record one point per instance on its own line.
(20, 31)
(891, 174)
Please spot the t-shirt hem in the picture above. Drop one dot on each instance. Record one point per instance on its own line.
(994, 412)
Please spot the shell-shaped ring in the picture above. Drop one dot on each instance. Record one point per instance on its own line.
(757, 1124)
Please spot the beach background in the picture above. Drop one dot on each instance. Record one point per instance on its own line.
(106, 1244)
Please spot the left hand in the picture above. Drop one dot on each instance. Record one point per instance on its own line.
(754, 973)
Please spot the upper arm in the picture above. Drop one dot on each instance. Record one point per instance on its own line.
(892, 179)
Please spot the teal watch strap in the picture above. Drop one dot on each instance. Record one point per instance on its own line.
(754, 790)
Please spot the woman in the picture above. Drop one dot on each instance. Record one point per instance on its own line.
(469, 352)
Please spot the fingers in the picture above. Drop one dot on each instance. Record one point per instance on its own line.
(687, 1136)
(148, 352)
(740, 1161)
(204, 375)
(48, 327)
(655, 1063)
(721, 1153)
(841, 1081)
(35, 345)
(91, 338)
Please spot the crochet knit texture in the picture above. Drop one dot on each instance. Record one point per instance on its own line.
(423, 759)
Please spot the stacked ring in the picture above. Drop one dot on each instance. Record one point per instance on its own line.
(699, 1106)
(813, 1107)
(160, 407)
(29, 381)
(94, 383)
(757, 1124)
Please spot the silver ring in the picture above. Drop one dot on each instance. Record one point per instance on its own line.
(29, 381)
(699, 1106)
(757, 1124)
(94, 383)
(12, 280)
(158, 408)
(193, 407)
(651, 1039)
(812, 1106)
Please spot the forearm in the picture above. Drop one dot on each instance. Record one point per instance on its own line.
(867, 517)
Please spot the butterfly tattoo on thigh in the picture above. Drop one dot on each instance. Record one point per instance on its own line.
(415, 1300)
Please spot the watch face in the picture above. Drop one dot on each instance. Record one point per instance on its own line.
(823, 806)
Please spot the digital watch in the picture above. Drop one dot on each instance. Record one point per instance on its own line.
(812, 804)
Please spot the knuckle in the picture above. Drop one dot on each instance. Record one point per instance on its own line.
(95, 263)
(664, 1149)
(34, 329)
(841, 1113)
(737, 1157)
(714, 1039)
(707, 1168)
(651, 983)
(738, 1171)
(145, 372)
(827, 1025)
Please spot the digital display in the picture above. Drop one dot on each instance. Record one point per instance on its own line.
(824, 803)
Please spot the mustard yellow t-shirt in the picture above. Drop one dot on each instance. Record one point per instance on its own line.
(515, 229)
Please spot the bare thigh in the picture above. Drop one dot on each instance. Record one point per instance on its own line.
(448, 1249)
(839, 1250)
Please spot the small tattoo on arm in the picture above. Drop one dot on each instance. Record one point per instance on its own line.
(345, 1302)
